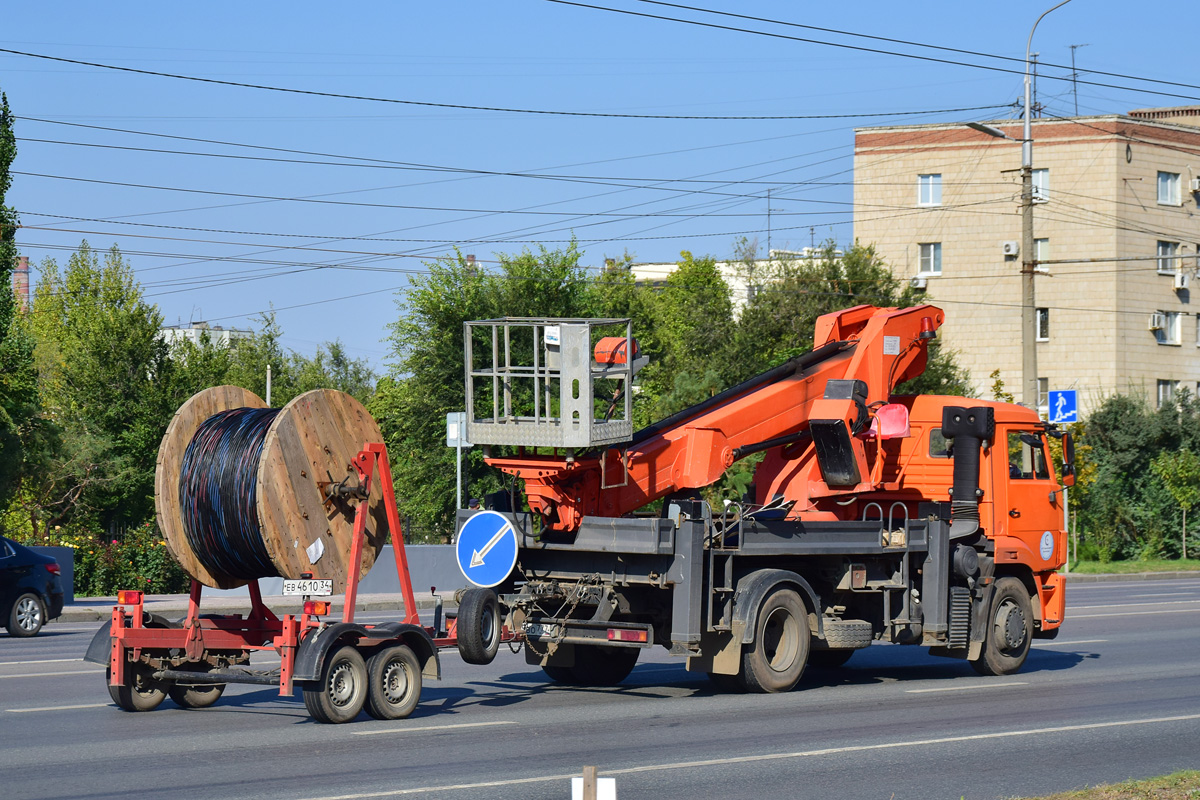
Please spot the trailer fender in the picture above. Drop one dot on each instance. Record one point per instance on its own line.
(753, 588)
(100, 650)
(315, 646)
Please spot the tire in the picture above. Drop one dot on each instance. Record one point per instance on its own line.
(852, 634)
(1010, 629)
(199, 696)
(478, 626)
(393, 683)
(342, 690)
(828, 659)
(599, 665)
(27, 616)
(139, 692)
(775, 660)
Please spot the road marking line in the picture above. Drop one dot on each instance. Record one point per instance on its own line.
(967, 688)
(39, 661)
(716, 762)
(50, 674)
(435, 727)
(1137, 613)
(1162, 594)
(56, 708)
(1068, 644)
(1134, 605)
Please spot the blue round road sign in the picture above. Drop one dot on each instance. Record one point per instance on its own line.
(486, 548)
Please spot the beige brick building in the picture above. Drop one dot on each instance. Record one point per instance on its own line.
(1117, 229)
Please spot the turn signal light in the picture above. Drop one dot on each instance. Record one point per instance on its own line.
(316, 608)
(626, 635)
(127, 597)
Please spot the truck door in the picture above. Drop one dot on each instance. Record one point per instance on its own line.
(1034, 506)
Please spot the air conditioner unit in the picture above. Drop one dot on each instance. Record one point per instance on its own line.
(1012, 248)
(919, 282)
(1181, 280)
(1194, 185)
(1158, 321)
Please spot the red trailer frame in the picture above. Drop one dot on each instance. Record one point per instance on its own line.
(146, 653)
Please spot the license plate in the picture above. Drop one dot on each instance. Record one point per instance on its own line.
(321, 588)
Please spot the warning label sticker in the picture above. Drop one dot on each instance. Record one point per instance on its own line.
(891, 345)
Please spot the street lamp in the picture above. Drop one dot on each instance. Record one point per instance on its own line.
(1029, 368)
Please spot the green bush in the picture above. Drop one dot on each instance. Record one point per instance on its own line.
(136, 559)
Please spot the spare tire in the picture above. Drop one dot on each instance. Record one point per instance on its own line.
(478, 627)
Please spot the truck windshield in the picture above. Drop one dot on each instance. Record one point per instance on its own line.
(1027, 456)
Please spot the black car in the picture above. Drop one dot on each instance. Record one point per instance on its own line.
(31, 592)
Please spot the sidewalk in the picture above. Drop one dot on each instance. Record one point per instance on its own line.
(174, 606)
(95, 609)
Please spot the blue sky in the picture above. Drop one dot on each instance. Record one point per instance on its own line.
(400, 184)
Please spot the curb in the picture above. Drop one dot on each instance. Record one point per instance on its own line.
(1115, 577)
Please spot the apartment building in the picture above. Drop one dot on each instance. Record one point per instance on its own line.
(1117, 241)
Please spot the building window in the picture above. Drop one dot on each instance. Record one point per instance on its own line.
(1166, 391)
(1168, 261)
(1043, 396)
(1168, 188)
(1169, 332)
(929, 190)
(1041, 252)
(1043, 324)
(1041, 185)
(931, 258)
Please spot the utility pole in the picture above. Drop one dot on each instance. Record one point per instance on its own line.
(1029, 366)
(768, 223)
(1075, 76)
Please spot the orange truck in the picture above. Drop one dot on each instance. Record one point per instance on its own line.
(919, 520)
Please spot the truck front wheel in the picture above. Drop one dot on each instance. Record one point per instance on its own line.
(775, 660)
(1010, 630)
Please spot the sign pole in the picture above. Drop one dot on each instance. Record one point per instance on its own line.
(458, 471)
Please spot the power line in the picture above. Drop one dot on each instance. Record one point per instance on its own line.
(465, 107)
(861, 49)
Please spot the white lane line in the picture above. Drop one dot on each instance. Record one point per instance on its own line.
(1163, 594)
(1068, 644)
(56, 708)
(967, 688)
(716, 762)
(51, 674)
(38, 661)
(1137, 613)
(1134, 605)
(435, 727)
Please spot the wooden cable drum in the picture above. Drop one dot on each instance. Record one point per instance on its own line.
(240, 490)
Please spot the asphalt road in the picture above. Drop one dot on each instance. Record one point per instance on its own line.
(1117, 696)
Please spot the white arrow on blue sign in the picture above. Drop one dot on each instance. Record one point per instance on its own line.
(1063, 406)
(486, 549)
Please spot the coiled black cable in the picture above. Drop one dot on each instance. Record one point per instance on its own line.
(218, 493)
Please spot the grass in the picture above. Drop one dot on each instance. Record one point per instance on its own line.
(1125, 567)
(1177, 786)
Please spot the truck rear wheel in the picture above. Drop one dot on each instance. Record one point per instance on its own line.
(595, 665)
(342, 689)
(394, 683)
(1010, 630)
(775, 660)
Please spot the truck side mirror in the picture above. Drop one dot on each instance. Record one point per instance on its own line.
(1068, 468)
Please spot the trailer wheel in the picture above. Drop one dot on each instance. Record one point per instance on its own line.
(1010, 630)
(340, 693)
(199, 696)
(393, 683)
(478, 626)
(139, 692)
(775, 660)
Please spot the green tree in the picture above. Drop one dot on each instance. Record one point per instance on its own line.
(103, 369)
(1180, 471)
(22, 436)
